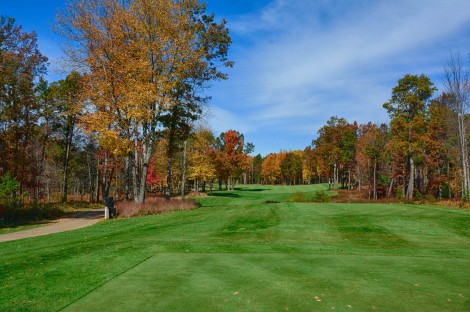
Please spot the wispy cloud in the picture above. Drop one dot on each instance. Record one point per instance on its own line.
(304, 61)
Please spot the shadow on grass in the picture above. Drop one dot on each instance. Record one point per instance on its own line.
(251, 190)
(225, 194)
(272, 202)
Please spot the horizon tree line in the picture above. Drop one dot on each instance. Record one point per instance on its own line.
(124, 121)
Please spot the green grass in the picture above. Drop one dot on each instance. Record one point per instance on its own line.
(252, 249)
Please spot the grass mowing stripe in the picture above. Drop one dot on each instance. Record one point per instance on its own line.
(363, 255)
(104, 283)
(266, 282)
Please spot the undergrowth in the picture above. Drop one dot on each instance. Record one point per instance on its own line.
(316, 197)
(14, 214)
(153, 205)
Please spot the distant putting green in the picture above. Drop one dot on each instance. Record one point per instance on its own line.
(249, 250)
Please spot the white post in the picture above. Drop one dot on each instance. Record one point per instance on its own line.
(106, 212)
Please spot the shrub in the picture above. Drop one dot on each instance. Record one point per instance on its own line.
(154, 205)
(418, 195)
(298, 197)
(429, 198)
(321, 197)
(399, 193)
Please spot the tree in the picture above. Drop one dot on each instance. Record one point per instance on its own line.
(407, 109)
(21, 67)
(147, 62)
(291, 168)
(441, 148)
(336, 146)
(203, 164)
(8, 188)
(66, 106)
(231, 156)
(271, 169)
(457, 84)
(371, 147)
(256, 171)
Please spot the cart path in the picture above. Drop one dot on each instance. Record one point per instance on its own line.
(75, 221)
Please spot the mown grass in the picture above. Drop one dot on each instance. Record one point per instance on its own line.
(240, 253)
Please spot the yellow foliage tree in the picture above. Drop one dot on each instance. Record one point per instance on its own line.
(147, 62)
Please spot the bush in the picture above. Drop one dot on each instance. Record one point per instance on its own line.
(418, 195)
(155, 205)
(321, 197)
(298, 197)
(399, 193)
(429, 198)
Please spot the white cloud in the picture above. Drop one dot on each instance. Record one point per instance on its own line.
(310, 60)
(221, 120)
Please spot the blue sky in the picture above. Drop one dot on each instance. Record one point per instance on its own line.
(299, 62)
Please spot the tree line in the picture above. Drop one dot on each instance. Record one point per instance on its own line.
(125, 121)
(140, 70)
(422, 151)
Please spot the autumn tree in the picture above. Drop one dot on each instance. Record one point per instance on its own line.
(64, 109)
(336, 145)
(441, 153)
(231, 157)
(457, 84)
(292, 167)
(203, 164)
(407, 109)
(146, 61)
(308, 165)
(371, 151)
(21, 67)
(256, 171)
(271, 169)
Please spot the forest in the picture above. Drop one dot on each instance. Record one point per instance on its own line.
(127, 120)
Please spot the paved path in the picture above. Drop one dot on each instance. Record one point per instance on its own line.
(76, 221)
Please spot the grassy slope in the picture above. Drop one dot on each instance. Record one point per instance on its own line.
(237, 253)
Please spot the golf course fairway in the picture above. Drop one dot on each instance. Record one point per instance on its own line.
(252, 249)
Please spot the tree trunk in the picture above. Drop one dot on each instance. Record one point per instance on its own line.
(464, 157)
(448, 178)
(66, 169)
(98, 185)
(169, 164)
(349, 179)
(91, 178)
(410, 189)
(147, 149)
(375, 178)
(335, 177)
(107, 184)
(127, 182)
(390, 188)
(183, 178)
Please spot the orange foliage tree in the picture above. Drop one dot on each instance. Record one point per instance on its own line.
(231, 158)
(146, 61)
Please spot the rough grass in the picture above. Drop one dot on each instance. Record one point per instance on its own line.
(153, 205)
(237, 253)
